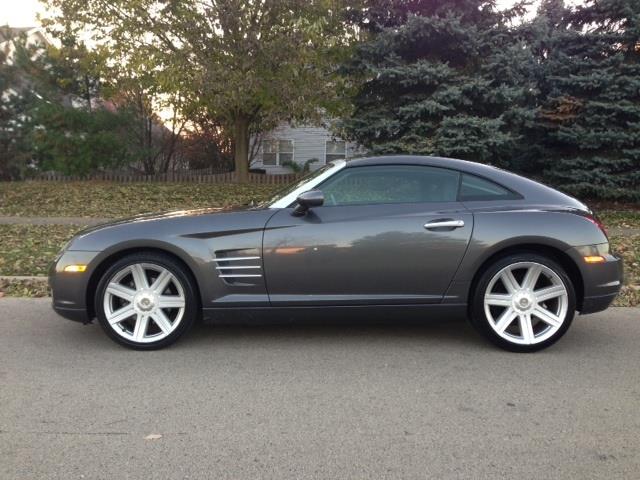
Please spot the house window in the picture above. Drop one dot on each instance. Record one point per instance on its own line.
(277, 152)
(335, 150)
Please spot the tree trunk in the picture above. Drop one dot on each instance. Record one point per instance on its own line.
(241, 148)
(87, 92)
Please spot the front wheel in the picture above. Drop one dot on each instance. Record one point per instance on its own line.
(523, 302)
(146, 301)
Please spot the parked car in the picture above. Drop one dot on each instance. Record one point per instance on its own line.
(395, 234)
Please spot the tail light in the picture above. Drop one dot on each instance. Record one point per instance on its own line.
(596, 221)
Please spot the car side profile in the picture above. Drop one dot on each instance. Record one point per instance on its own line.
(398, 234)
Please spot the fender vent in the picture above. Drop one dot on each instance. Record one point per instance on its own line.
(237, 269)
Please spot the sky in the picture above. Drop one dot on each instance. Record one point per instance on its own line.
(22, 13)
(19, 13)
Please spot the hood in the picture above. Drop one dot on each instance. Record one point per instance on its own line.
(159, 216)
(196, 223)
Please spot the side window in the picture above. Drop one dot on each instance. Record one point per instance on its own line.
(390, 184)
(476, 188)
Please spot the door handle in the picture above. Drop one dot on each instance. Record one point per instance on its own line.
(444, 224)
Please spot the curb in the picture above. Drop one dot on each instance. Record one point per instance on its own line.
(18, 278)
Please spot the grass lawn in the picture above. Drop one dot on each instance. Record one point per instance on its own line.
(28, 249)
(617, 215)
(112, 200)
(629, 248)
(105, 199)
(620, 219)
(23, 288)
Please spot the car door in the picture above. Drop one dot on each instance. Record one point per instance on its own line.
(385, 235)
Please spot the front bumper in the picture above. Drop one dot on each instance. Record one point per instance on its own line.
(69, 290)
(75, 314)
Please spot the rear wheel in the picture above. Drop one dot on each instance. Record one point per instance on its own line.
(523, 302)
(146, 301)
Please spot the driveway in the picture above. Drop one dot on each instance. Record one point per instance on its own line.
(333, 400)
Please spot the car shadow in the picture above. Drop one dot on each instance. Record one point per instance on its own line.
(436, 330)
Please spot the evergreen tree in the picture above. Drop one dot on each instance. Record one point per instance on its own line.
(445, 77)
(589, 116)
(6, 117)
(75, 141)
(557, 97)
(62, 122)
(15, 103)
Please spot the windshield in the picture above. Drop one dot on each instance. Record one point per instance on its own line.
(290, 188)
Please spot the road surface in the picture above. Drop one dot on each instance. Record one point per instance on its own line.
(321, 400)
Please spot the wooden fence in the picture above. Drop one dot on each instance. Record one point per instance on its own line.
(182, 176)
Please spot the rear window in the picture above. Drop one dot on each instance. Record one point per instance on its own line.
(476, 188)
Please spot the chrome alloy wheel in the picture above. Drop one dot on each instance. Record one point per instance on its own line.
(526, 303)
(144, 302)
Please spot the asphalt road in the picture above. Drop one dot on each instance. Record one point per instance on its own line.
(336, 400)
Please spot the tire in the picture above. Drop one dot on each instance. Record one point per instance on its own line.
(518, 311)
(146, 301)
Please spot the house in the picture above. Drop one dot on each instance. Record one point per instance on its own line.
(299, 144)
(33, 36)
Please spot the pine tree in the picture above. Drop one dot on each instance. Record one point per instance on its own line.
(47, 120)
(14, 107)
(445, 77)
(589, 115)
(557, 97)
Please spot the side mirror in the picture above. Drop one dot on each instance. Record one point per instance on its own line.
(307, 200)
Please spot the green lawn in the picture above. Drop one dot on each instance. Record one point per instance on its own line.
(28, 249)
(23, 288)
(620, 219)
(105, 199)
(629, 248)
(617, 215)
(112, 200)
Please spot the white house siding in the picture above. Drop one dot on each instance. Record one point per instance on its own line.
(308, 142)
(33, 36)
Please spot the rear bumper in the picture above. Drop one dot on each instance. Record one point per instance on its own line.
(601, 281)
(597, 304)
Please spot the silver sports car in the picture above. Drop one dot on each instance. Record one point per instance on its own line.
(396, 235)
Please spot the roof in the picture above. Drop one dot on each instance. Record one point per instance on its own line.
(7, 33)
(443, 162)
